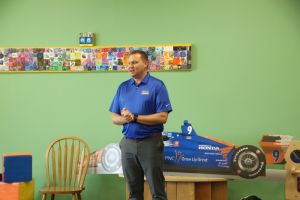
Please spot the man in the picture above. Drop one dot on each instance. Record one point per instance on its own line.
(142, 105)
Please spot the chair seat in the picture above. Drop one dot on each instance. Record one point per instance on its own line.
(61, 190)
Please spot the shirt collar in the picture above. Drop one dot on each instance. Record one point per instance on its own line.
(144, 81)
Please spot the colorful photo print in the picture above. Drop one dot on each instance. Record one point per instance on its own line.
(92, 59)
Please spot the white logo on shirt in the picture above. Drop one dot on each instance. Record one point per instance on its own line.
(145, 92)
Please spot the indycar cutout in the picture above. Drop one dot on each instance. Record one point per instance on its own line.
(189, 152)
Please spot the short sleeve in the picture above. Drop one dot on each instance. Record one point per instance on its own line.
(115, 106)
(163, 103)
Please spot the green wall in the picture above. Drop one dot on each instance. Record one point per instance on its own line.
(244, 82)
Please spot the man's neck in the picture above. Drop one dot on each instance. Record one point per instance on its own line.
(138, 80)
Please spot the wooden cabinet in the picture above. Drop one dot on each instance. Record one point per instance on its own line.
(191, 188)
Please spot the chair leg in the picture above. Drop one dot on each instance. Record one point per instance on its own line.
(73, 196)
(44, 197)
(52, 196)
(78, 196)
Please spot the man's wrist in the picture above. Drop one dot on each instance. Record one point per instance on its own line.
(135, 117)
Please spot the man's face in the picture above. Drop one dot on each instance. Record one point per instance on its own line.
(137, 67)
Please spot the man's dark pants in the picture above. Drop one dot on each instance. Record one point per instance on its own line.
(144, 157)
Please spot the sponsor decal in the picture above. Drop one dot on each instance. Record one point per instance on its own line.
(176, 143)
(208, 147)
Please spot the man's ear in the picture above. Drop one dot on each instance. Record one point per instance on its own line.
(146, 62)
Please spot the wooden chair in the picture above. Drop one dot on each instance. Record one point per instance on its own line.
(67, 160)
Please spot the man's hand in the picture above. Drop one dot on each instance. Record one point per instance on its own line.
(127, 115)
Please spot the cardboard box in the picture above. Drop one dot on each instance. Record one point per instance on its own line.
(16, 167)
(17, 191)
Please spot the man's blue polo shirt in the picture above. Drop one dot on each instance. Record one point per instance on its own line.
(149, 97)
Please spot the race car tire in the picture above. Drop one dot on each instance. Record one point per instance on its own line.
(249, 162)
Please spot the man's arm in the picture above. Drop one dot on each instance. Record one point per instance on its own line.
(153, 119)
(118, 119)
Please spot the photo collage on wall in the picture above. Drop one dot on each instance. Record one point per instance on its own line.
(92, 59)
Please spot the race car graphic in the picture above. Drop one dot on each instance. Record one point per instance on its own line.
(189, 152)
